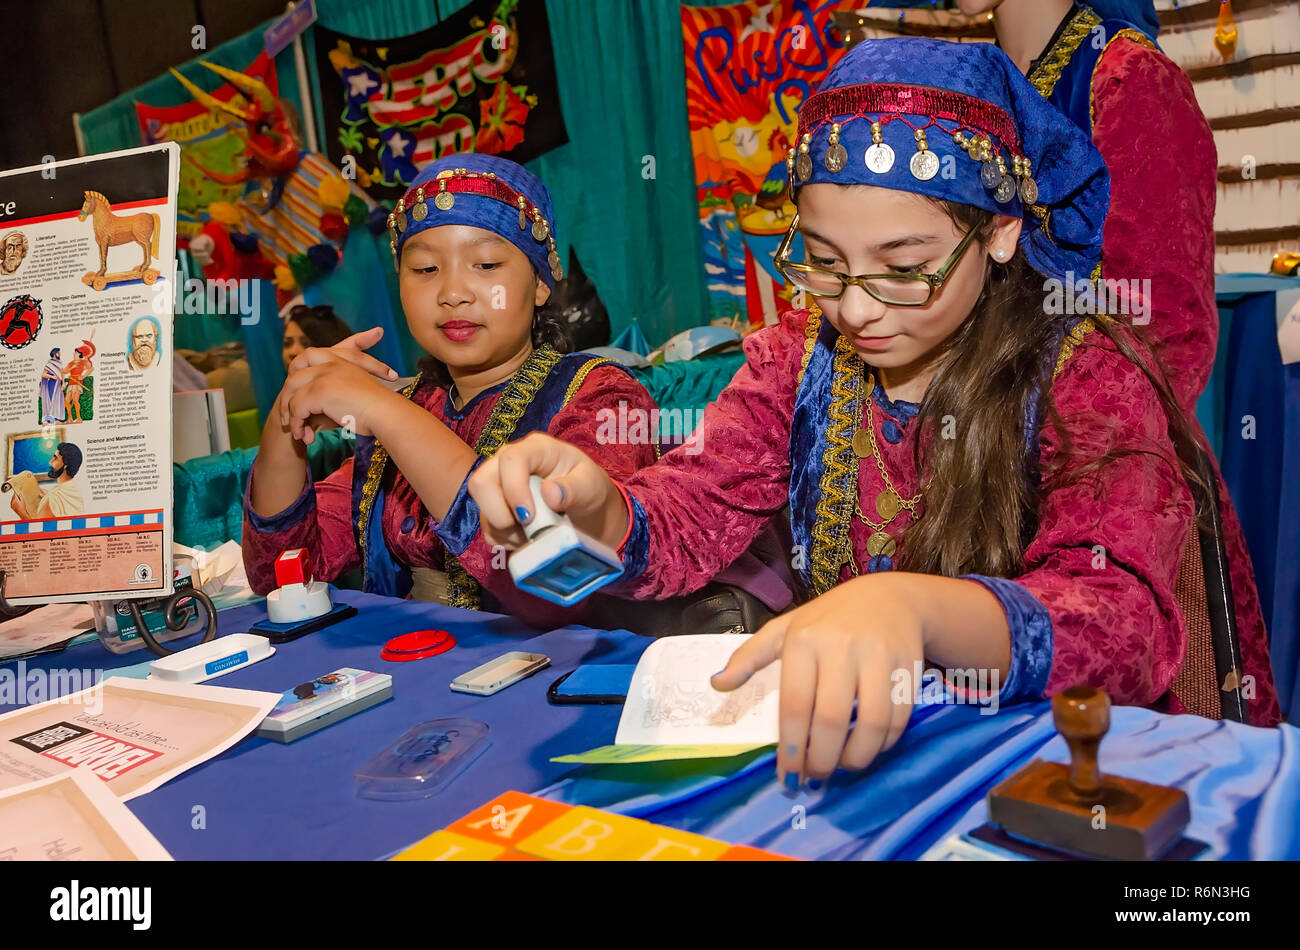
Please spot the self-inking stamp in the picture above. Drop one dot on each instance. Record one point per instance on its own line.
(298, 597)
(560, 563)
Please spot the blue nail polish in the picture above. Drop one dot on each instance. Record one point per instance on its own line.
(561, 494)
(791, 749)
(792, 781)
(813, 785)
(523, 514)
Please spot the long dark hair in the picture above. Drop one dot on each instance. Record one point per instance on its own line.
(549, 329)
(320, 323)
(981, 489)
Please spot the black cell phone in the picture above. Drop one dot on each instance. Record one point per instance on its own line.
(284, 632)
(595, 685)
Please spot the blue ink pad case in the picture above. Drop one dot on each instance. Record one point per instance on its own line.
(560, 563)
(423, 761)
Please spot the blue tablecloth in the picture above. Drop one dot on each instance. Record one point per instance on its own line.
(1243, 783)
(263, 799)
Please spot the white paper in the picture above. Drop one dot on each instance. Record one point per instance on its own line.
(72, 817)
(1288, 325)
(671, 701)
(134, 735)
(220, 573)
(87, 295)
(44, 627)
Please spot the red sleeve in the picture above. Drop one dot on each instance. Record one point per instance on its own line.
(708, 499)
(580, 424)
(1164, 173)
(320, 520)
(1106, 555)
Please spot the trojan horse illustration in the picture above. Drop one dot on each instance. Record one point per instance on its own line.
(111, 230)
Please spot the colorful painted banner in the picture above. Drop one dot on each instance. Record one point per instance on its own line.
(748, 68)
(205, 136)
(480, 81)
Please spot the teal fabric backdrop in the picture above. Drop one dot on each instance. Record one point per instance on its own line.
(622, 91)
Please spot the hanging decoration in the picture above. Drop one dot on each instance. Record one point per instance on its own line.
(290, 211)
(209, 139)
(482, 80)
(1225, 31)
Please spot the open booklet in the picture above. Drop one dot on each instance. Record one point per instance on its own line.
(673, 712)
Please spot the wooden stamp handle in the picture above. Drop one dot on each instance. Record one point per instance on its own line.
(1082, 716)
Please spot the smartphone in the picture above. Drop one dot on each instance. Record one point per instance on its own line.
(598, 684)
(496, 675)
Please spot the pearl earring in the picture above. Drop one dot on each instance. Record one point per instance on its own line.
(1000, 254)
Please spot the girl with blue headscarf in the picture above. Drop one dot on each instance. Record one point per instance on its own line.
(474, 246)
(982, 470)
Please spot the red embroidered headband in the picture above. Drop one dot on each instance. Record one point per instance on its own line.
(451, 182)
(990, 128)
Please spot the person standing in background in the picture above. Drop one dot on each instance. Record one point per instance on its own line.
(1098, 64)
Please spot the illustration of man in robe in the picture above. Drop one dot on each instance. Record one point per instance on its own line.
(64, 499)
(143, 352)
(51, 388)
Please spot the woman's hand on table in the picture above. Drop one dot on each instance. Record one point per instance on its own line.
(573, 485)
(845, 645)
(337, 385)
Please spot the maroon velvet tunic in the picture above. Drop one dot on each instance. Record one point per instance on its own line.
(1163, 168)
(1163, 165)
(409, 530)
(1114, 622)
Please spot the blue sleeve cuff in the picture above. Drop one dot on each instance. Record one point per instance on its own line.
(461, 524)
(636, 550)
(285, 520)
(1031, 638)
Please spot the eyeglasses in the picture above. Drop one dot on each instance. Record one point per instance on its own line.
(896, 290)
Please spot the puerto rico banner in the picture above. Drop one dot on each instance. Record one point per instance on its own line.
(480, 81)
(205, 136)
(748, 68)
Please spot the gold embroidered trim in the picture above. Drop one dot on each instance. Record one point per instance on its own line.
(1048, 72)
(1073, 339)
(581, 375)
(462, 589)
(809, 339)
(371, 487)
(1136, 37)
(839, 482)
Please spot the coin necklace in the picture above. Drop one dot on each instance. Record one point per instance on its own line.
(888, 502)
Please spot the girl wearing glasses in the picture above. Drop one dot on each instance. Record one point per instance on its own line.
(980, 474)
(475, 253)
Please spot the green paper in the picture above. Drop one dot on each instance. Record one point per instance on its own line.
(629, 754)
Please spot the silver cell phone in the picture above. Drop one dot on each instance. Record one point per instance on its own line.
(495, 675)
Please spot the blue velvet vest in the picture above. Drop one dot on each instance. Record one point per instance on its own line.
(1063, 75)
